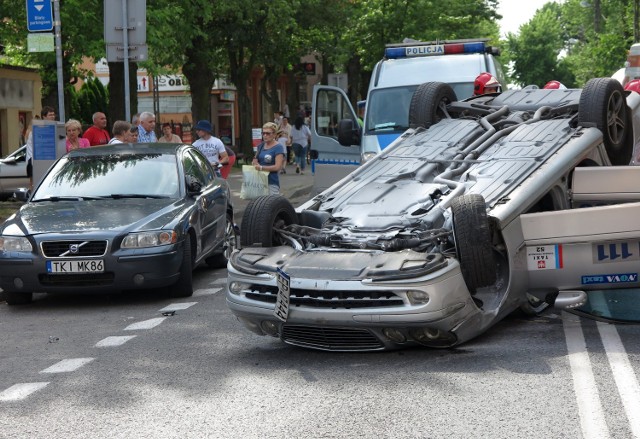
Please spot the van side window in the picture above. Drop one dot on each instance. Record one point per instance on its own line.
(331, 109)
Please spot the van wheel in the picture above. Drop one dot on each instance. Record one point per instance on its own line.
(428, 104)
(261, 219)
(603, 104)
(473, 241)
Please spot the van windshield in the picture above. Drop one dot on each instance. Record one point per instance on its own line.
(388, 108)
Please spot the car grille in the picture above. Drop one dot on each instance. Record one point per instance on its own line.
(332, 339)
(327, 298)
(76, 280)
(62, 249)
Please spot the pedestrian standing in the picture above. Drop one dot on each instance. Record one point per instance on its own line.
(97, 133)
(167, 135)
(73, 129)
(300, 139)
(286, 127)
(270, 156)
(209, 145)
(146, 133)
(121, 132)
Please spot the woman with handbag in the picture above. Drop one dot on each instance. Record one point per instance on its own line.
(270, 156)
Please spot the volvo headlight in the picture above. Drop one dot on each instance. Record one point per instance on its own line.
(15, 244)
(149, 239)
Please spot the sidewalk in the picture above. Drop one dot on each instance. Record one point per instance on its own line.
(295, 187)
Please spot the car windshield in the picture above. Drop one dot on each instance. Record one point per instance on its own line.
(619, 305)
(388, 108)
(111, 176)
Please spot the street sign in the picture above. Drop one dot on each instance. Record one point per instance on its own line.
(40, 42)
(136, 22)
(39, 16)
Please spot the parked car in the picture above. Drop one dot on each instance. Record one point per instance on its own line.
(118, 217)
(485, 206)
(13, 173)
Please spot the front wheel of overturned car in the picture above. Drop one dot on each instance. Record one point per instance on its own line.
(603, 104)
(17, 298)
(429, 102)
(184, 286)
(219, 260)
(261, 219)
(473, 241)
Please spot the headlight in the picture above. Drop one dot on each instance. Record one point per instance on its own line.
(15, 244)
(236, 287)
(149, 239)
(417, 297)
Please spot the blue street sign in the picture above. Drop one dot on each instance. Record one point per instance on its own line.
(39, 16)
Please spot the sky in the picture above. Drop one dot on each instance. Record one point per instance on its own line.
(516, 13)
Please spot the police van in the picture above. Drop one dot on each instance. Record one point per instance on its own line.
(394, 79)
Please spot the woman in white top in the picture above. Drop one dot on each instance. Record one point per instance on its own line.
(300, 139)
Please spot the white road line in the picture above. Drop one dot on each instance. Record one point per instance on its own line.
(177, 306)
(114, 341)
(20, 391)
(623, 374)
(592, 419)
(206, 292)
(146, 324)
(68, 365)
(222, 281)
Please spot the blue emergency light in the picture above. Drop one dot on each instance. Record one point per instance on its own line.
(433, 49)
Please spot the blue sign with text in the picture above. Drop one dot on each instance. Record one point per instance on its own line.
(44, 142)
(39, 16)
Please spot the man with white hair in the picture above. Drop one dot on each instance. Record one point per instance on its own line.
(97, 133)
(146, 129)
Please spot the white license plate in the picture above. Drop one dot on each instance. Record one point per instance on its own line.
(76, 266)
(282, 304)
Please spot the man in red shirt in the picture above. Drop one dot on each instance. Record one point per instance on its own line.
(97, 134)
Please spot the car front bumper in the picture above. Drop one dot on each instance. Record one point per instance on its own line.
(20, 272)
(357, 315)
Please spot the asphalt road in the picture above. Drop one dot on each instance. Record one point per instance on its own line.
(116, 367)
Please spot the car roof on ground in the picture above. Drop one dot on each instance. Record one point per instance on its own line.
(129, 148)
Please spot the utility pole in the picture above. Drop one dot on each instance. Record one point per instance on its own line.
(636, 17)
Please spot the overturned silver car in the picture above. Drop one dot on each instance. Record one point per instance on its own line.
(483, 207)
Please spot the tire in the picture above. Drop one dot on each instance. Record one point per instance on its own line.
(427, 104)
(219, 260)
(473, 241)
(16, 298)
(184, 286)
(261, 217)
(603, 104)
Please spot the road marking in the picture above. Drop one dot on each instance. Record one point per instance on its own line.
(623, 374)
(177, 306)
(20, 391)
(146, 324)
(114, 341)
(207, 292)
(68, 365)
(222, 281)
(592, 420)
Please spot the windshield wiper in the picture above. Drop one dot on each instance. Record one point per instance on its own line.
(119, 196)
(66, 198)
(387, 126)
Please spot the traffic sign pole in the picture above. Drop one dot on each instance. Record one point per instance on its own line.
(58, 33)
(125, 44)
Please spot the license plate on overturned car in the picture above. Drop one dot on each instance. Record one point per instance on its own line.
(76, 266)
(281, 310)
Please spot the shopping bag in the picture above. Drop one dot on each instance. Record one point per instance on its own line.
(254, 183)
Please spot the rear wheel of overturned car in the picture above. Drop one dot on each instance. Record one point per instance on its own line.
(184, 286)
(603, 104)
(17, 298)
(428, 104)
(262, 217)
(473, 241)
(219, 260)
